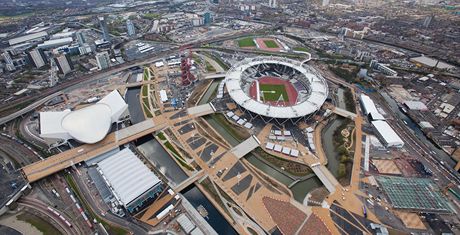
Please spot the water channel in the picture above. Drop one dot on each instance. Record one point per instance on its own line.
(158, 156)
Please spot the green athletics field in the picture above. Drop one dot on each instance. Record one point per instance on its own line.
(272, 92)
(246, 42)
(270, 44)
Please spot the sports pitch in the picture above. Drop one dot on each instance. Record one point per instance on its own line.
(271, 92)
(246, 42)
(270, 44)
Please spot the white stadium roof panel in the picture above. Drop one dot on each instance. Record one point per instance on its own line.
(127, 175)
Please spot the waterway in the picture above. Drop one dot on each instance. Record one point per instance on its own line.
(214, 218)
(207, 95)
(328, 145)
(153, 151)
(134, 105)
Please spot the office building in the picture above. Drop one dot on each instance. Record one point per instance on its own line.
(37, 57)
(105, 31)
(103, 60)
(64, 63)
(131, 28)
(9, 65)
(80, 38)
(207, 18)
(85, 49)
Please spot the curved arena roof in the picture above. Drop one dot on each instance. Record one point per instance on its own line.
(87, 125)
(90, 124)
(312, 103)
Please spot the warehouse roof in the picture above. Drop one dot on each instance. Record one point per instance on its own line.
(388, 134)
(415, 105)
(128, 177)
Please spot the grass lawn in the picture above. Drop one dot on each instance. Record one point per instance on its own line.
(246, 42)
(301, 49)
(39, 223)
(273, 92)
(270, 44)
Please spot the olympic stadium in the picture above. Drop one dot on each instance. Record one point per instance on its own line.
(275, 88)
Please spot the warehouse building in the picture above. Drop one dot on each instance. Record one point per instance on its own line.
(369, 108)
(132, 183)
(387, 134)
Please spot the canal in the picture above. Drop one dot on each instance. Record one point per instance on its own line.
(158, 156)
(134, 105)
(214, 218)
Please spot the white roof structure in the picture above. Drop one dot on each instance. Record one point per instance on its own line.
(48, 127)
(87, 125)
(127, 176)
(368, 104)
(415, 105)
(388, 135)
(278, 148)
(269, 145)
(286, 150)
(163, 96)
(26, 38)
(427, 61)
(294, 152)
(314, 101)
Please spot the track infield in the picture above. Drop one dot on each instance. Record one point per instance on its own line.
(270, 44)
(246, 42)
(274, 91)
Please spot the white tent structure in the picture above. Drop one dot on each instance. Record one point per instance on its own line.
(387, 134)
(131, 182)
(87, 125)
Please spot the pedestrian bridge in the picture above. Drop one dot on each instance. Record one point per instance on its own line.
(328, 180)
(344, 113)
(190, 180)
(201, 110)
(245, 147)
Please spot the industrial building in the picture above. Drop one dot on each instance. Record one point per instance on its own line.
(87, 125)
(132, 183)
(369, 108)
(35, 37)
(387, 134)
(305, 88)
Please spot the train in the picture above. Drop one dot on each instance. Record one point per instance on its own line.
(60, 216)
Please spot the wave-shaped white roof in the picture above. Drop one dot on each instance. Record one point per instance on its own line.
(90, 124)
(87, 125)
(319, 89)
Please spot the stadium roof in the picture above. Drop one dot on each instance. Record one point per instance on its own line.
(87, 125)
(388, 134)
(314, 102)
(128, 177)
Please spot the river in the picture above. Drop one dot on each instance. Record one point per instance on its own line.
(134, 105)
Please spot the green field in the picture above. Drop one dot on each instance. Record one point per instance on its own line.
(246, 42)
(273, 92)
(270, 44)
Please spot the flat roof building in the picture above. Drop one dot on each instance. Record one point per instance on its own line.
(132, 183)
(387, 134)
(27, 38)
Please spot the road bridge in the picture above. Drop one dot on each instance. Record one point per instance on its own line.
(245, 147)
(58, 162)
(192, 179)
